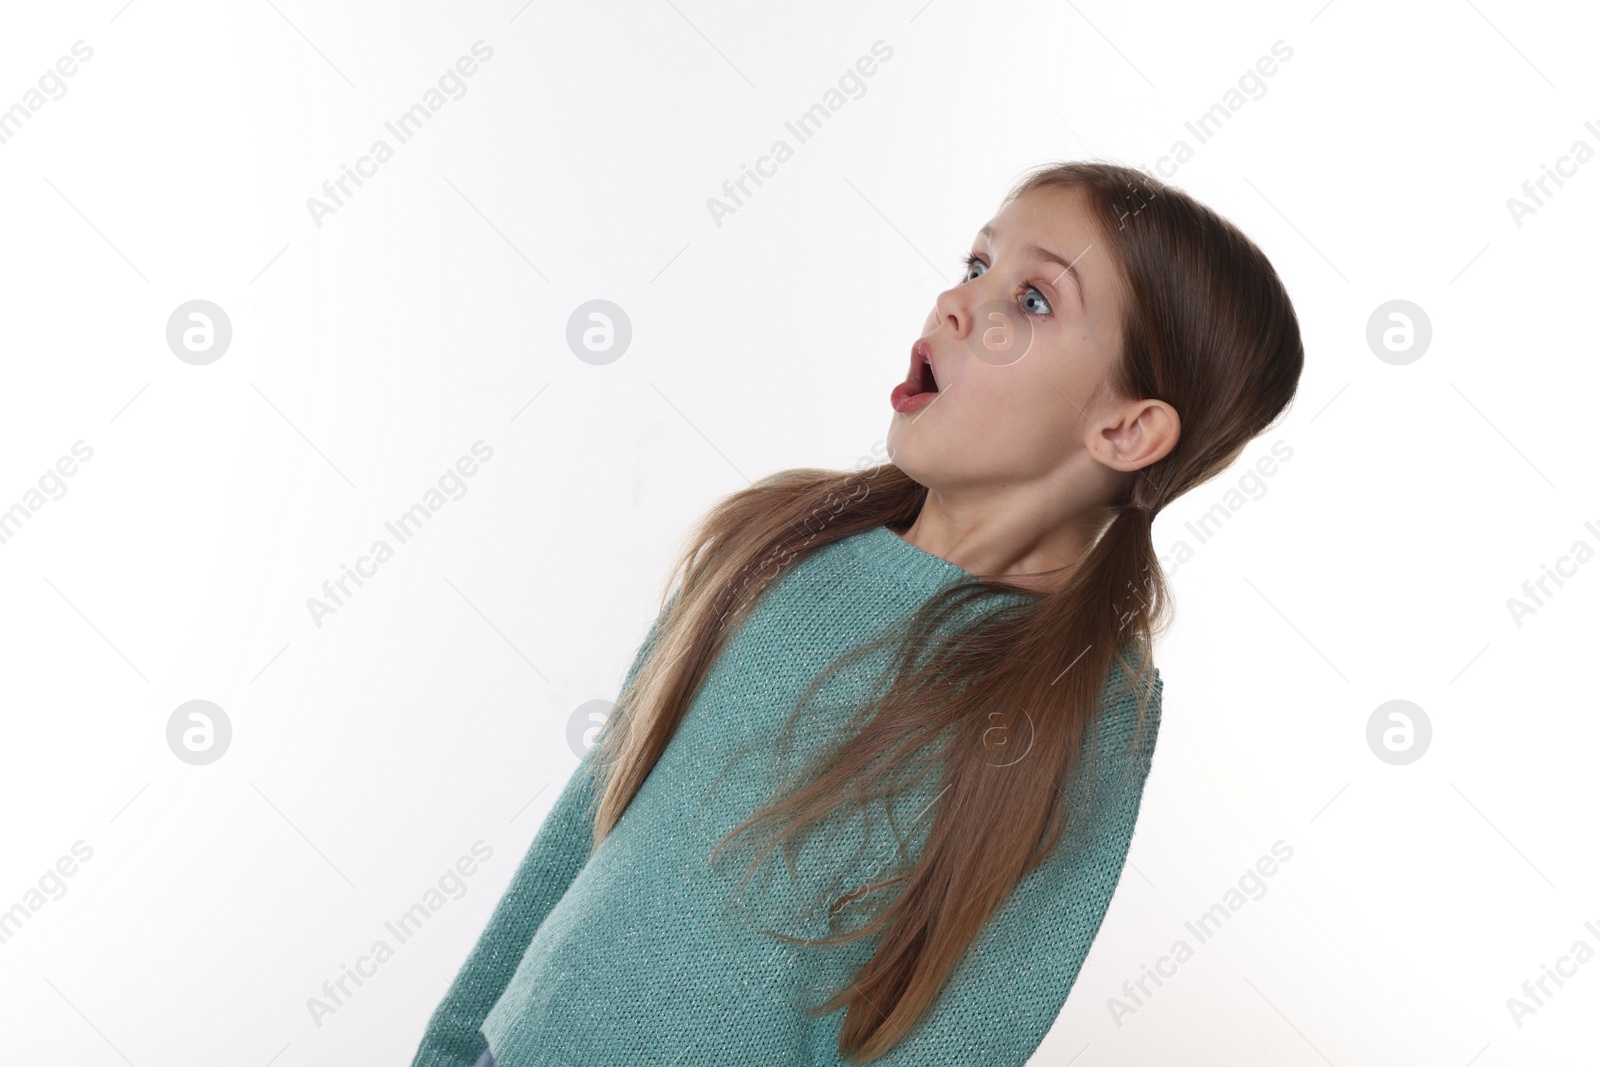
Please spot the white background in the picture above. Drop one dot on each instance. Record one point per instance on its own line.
(430, 312)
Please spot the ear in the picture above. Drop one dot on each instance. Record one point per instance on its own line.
(1135, 435)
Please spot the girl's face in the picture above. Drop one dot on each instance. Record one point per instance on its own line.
(1021, 350)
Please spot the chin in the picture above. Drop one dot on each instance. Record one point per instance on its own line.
(906, 455)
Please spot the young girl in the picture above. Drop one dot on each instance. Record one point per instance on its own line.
(928, 685)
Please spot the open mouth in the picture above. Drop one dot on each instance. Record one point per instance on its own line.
(922, 369)
(921, 384)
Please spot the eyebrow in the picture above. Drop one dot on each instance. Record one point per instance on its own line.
(1038, 252)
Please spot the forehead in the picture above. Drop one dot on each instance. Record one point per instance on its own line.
(1056, 217)
(1058, 220)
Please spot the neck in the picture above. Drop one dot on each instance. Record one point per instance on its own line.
(1025, 550)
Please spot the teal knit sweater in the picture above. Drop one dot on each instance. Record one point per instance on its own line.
(641, 954)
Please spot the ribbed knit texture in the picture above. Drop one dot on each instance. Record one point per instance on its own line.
(639, 955)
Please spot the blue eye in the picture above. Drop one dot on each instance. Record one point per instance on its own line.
(1029, 293)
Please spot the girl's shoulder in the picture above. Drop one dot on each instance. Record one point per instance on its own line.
(1130, 711)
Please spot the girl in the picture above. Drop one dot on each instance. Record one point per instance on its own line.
(927, 685)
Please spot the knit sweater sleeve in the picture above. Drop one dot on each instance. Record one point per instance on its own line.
(1008, 990)
(559, 850)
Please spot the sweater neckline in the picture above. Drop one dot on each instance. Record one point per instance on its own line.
(908, 560)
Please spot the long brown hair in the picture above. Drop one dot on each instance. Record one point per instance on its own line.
(1208, 329)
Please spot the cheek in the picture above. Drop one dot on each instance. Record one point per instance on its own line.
(1038, 399)
(1011, 405)
(1073, 373)
(1037, 380)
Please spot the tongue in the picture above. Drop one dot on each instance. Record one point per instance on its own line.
(906, 390)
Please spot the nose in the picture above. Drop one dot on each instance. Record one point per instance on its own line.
(953, 309)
